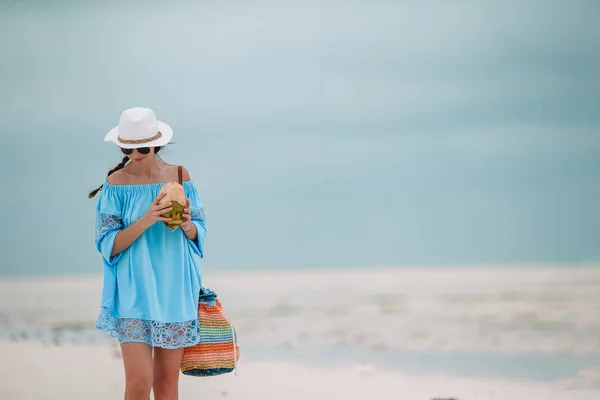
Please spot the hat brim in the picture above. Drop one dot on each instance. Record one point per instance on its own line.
(164, 139)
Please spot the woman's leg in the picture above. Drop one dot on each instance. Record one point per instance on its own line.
(137, 359)
(166, 373)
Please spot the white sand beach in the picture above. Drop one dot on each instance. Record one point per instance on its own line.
(490, 333)
(36, 371)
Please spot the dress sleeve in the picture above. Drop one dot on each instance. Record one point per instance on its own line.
(108, 223)
(197, 209)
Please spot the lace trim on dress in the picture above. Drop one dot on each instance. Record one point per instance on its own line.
(106, 223)
(198, 214)
(168, 335)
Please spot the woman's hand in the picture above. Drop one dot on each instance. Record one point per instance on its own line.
(127, 236)
(187, 226)
(154, 213)
(186, 217)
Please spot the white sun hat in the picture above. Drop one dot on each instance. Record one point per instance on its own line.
(138, 127)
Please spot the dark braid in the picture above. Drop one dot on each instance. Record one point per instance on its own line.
(115, 169)
(112, 171)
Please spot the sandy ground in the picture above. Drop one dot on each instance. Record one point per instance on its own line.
(30, 370)
(550, 311)
(49, 348)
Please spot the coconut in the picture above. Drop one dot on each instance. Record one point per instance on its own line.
(175, 195)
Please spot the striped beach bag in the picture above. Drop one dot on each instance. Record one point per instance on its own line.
(218, 351)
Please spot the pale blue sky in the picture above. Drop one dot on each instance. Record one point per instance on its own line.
(319, 132)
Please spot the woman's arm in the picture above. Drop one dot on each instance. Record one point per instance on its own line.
(189, 229)
(127, 236)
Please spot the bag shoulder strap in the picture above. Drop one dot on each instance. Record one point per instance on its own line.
(180, 174)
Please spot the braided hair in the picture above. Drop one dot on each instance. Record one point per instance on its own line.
(119, 166)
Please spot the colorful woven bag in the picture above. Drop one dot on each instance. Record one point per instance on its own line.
(218, 351)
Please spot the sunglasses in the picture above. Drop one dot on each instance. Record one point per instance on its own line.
(141, 150)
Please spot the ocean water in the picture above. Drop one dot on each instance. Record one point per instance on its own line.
(319, 133)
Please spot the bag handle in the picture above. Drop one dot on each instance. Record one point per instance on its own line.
(180, 174)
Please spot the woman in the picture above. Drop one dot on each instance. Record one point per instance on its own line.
(151, 274)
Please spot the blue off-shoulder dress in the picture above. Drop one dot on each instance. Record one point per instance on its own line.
(150, 290)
